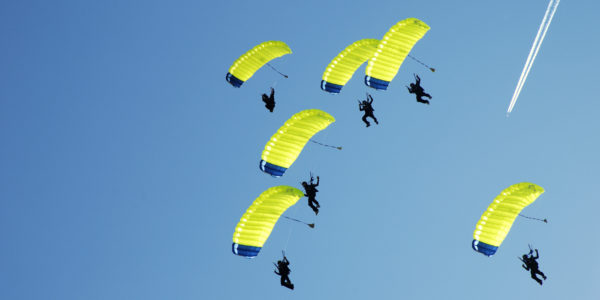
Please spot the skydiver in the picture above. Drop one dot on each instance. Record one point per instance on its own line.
(269, 100)
(311, 193)
(284, 271)
(366, 106)
(415, 88)
(530, 264)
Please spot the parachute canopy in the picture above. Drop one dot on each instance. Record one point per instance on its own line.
(246, 65)
(343, 66)
(286, 144)
(392, 50)
(496, 221)
(258, 221)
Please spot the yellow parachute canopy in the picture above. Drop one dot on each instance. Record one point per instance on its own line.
(496, 221)
(256, 224)
(392, 50)
(246, 65)
(343, 66)
(286, 144)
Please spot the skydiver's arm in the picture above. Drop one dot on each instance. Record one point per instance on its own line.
(370, 98)
(272, 93)
(525, 267)
(417, 78)
(409, 90)
(317, 181)
(537, 255)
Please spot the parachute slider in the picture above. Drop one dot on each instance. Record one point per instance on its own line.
(531, 218)
(430, 68)
(268, 64)
(311, 225)
(325, 145)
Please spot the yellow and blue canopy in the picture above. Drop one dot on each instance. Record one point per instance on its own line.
(496, 221)
(258, 221)
(246, 65)
(343, 66)
(285, 145)
(392, 50)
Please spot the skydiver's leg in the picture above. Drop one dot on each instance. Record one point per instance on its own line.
(426, 95)
(370, 114)
(533, 275)
(541, 273)
(285, 281)
(316, 202)
(364, 118)
(314, 208)
(374, 119)
(421, 100)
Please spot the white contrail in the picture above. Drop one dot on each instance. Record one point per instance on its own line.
(528, 60)
(537, 42)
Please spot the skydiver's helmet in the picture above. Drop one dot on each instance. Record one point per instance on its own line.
(364, 102)
(265, 97)
(525, 258)
(412, 85)
(304, 183)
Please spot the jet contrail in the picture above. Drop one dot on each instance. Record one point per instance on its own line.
(537, 42)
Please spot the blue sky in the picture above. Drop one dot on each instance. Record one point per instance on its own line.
(127, 159)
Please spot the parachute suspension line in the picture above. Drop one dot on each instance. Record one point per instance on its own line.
(268, 64)
(422, 63)
(311, 225)
(531, 218)
(325, 145)
(288, 238)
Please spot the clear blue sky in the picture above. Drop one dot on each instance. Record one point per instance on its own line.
(126, 159)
